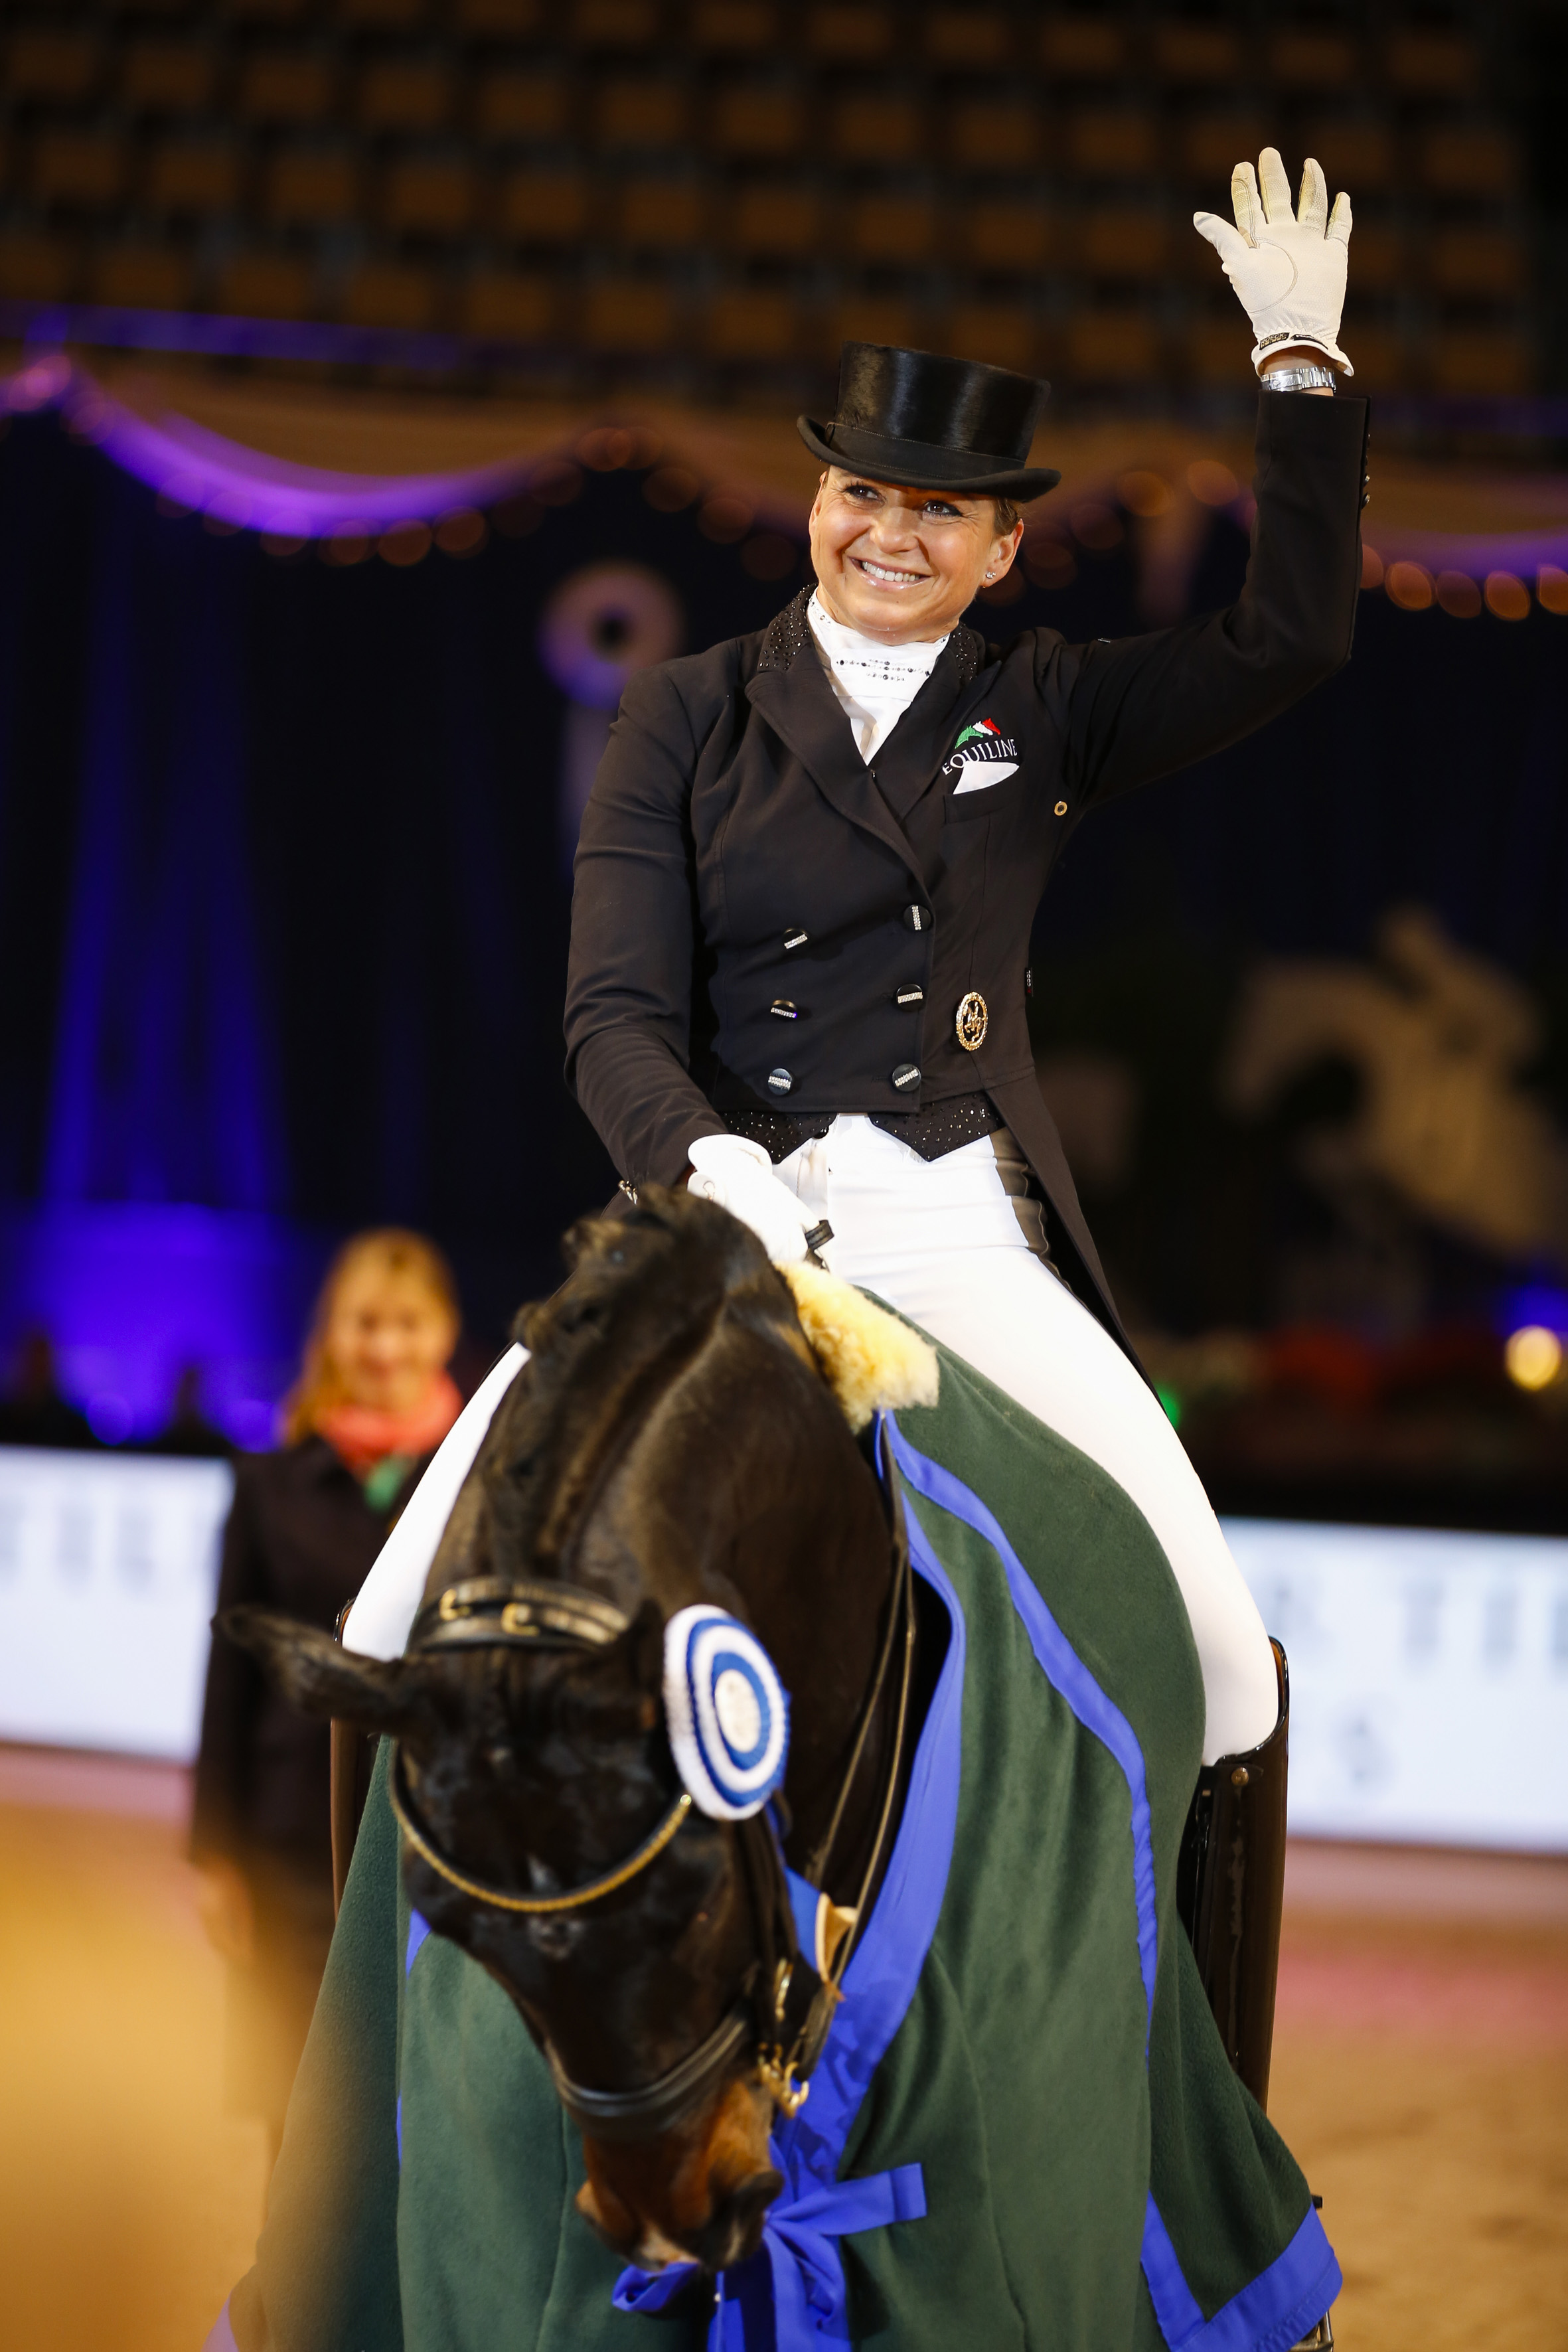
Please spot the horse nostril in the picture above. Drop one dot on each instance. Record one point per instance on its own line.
(735, 2232)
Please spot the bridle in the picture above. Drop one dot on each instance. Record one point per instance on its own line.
(784, 2008)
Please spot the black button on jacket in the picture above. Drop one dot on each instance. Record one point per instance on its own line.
(733, 808)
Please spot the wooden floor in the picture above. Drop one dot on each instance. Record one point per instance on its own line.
(1421, 2075)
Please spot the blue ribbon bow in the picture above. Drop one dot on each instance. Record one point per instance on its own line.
(790, 2296)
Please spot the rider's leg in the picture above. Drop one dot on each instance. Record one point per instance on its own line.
(942, 1241)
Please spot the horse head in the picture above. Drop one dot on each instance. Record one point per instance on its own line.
(671, 1441)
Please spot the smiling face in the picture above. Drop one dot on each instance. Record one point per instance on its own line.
(903, 565)
(387, 1336)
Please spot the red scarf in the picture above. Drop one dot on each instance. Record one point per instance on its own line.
(362, 1435)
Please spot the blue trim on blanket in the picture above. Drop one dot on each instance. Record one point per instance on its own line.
(1270, 2314)
(792, 2295)
(1066, 1673)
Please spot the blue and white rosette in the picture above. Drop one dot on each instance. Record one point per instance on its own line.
(727, 1712)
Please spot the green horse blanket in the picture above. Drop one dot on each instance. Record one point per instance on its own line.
(1023, 2131)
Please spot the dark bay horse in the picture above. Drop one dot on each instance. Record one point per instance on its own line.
(672, 1439)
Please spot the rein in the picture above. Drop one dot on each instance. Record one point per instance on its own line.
(784, 2008)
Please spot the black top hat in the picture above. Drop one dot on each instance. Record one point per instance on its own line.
(930, 423)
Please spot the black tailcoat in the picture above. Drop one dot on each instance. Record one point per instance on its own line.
(733, 811)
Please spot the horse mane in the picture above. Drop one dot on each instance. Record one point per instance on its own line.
(646, 1295)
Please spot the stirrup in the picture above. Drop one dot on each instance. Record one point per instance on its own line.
(1230, 1891)
(1321, 2338)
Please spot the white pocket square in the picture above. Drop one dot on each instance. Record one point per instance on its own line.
(980, 774)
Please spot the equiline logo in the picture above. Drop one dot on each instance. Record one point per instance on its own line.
(982, 755)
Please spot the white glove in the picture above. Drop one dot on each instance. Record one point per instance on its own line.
(739, 1175)
(1289, 269)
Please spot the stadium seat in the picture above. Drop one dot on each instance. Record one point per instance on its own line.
(893, 228)
(630, 314)
(80, 171)
(1423, 62)
(1380, 257)
(661, 215)
(872, 318)
(651, 116)
(509, 306)
(1356, 151)
(984, 331)
(783, 220)
(544, 207)
(140, 277)
(313, 186)
(877, 127)
(1208, 147)
(1214, 348)
(1482, 361)
(1312, 57)
(972, 40)
(523, 106)
(1463, 160)
(381, 16)
(287, 86)
(1131, 244)
(731, 27)
(1473, 260)
(429, 195)
(194, 178)
(55, 66)
(1111, 142)
(266, 286)
(759, 119)
(841, 33)
(1013, 237)
(391, 294)
(1113, 347)
(1196, 53)
(993, 134)
(497, 20)
(161, 77)
(406, 94)
(1083, 49)
(36, 269)
(750, 322)
(614, 24)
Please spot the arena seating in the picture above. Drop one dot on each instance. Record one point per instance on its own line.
(729, 184)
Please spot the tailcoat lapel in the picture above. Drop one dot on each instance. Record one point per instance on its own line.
(791, 691)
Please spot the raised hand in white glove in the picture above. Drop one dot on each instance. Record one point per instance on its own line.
(1287, 268)
(739, 1175)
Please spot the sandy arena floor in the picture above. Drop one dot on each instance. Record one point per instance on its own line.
(1421, 2073)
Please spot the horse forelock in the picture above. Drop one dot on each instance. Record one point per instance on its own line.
(646, 1295)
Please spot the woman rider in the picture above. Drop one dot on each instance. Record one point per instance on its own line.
(812, 857)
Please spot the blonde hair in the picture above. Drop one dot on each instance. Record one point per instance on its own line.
(396, 1251)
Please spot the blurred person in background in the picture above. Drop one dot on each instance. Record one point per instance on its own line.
(372, 1401)
(35, 1413)
(188, 1432)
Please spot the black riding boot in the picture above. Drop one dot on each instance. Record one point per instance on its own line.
(1230, 1891)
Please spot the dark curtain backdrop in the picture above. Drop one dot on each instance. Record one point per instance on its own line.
(283, 918)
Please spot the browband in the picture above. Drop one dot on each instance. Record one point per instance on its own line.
(495, 1612)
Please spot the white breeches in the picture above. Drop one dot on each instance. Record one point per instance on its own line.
(942, 1240)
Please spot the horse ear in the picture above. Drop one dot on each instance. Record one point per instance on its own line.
(322, 1678)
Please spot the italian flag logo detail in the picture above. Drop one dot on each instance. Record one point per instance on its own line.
(982, 726)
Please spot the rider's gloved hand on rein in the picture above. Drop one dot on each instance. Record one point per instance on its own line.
(738, 1174)
(1288, 267)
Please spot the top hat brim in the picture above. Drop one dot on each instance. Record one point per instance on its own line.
(922, 466)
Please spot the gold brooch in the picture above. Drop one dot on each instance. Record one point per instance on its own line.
(970, 1020)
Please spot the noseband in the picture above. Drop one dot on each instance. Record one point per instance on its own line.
(784, 2002)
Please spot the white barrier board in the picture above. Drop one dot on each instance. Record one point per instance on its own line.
(1428, 1671)
(108, 1578)
(1429, 1679)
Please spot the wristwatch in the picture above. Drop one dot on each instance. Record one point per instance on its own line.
(1299, 379)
